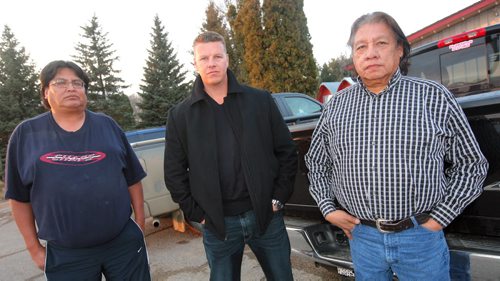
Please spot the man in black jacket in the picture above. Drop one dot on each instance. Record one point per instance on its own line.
(230, 163)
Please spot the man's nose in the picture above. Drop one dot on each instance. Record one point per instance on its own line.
(371, 51)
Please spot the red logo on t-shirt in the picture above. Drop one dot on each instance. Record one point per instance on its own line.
(69, 158)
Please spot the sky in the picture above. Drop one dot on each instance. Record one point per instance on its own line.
(50, 29)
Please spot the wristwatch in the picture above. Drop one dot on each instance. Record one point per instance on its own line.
(277, 204)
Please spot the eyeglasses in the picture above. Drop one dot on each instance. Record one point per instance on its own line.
(64, 84)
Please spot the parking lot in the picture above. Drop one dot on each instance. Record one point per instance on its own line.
(173, 256)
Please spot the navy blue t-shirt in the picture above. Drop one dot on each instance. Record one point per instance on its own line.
(77, 182)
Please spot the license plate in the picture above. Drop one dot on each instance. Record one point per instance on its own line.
(345, 272)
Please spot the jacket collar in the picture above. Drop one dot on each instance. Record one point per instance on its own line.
(198, 92)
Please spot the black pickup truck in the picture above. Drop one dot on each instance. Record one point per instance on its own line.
(473, 238)
(469, 65)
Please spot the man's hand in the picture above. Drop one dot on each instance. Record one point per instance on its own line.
(275, 208)
(141, 222)
(137, 199)
(25, 220)
(432, 225)
(343, 220)
(38, 253)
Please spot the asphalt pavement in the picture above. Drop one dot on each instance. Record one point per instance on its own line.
(172, 256)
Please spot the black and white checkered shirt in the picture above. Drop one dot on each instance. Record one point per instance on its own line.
(383, 155)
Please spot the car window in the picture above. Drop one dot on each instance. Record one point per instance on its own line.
(466, 67)
(302, 106)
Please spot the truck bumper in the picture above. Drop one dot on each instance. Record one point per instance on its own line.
(471, 257)
(474, 257)
(321, 242)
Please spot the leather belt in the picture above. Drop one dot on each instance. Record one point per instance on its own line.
(386, 226)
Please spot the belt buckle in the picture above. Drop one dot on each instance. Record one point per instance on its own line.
(378, 222)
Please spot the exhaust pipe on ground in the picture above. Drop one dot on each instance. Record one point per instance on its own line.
(155, 222)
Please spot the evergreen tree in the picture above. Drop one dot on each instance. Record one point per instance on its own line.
(236, 61)
(105, 93)
(288, 62)
(215, 21)
(326, 74)
(335, 70)
(163, 84)
(248, 34)
(19, 94)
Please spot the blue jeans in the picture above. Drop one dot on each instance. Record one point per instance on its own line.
(413, 254)
(460, 266)
(272, 248)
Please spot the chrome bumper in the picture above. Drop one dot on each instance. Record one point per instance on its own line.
(477, 257)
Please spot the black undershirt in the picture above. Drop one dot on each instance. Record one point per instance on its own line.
(235, 197)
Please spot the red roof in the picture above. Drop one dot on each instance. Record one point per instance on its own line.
(452, 19)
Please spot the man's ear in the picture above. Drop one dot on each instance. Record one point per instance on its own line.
(195, 66)
(400, 51)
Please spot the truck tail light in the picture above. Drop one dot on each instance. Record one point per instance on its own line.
(469, 35)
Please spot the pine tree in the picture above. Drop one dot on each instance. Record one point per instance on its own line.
(246, 24)
(95, 55)
(163, 84)
(19, 94)
(215, 21)
(236, 60)
(289, 63)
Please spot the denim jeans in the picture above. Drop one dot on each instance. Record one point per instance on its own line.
(272, 248)
(413, 254)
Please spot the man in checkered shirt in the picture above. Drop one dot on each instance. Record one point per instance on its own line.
(393, 160)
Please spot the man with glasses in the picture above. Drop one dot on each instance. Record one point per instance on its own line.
(73, 172)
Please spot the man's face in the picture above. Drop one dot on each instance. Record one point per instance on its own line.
(211, 62)
(65, 92)
(375, 53)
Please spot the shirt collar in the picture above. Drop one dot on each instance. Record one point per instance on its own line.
(393, 81)
(198, 92)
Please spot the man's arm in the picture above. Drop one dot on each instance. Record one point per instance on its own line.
(137, 199)
(23, 215)
(319, 163)
(176, 176)
(285, 151)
